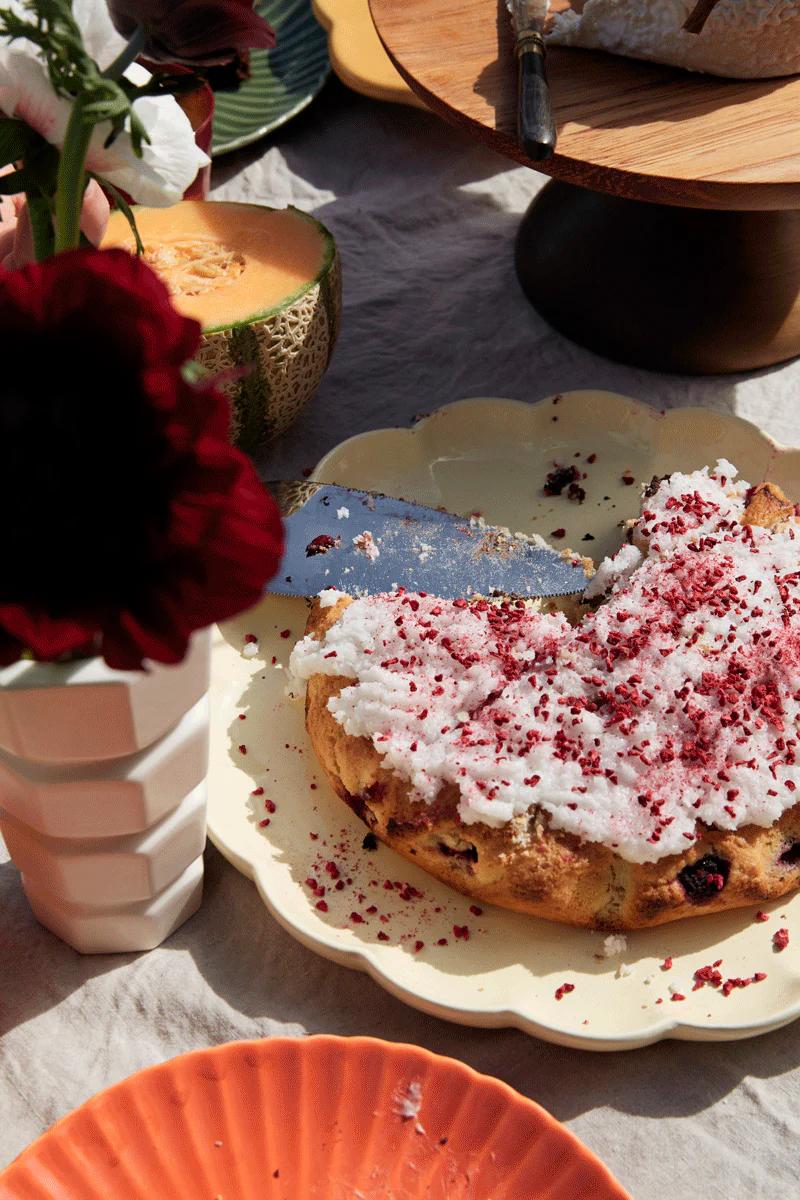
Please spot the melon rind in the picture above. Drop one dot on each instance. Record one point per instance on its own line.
(285, 349)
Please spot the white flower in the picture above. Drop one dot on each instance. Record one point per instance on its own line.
(172, 159)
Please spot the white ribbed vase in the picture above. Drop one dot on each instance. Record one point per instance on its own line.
(103, 795)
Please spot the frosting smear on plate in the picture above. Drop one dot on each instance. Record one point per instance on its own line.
(675, 701)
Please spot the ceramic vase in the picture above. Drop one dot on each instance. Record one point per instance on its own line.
(102, 795)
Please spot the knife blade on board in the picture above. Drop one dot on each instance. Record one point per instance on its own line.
(536, 125)
(366, 543)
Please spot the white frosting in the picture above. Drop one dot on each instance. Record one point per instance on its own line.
(741, 38)
(611, 570)
(614, 944)
(676, 701)
(365, 544)
(330, 596)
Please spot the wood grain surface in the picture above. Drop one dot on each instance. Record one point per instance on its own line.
(632, 129)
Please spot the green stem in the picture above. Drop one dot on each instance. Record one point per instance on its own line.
(127, 55)
(41, 218)
(71, 181)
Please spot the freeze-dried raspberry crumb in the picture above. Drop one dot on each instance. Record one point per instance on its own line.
(322, 905)
(558, 533)
(667, 963)
(382, 937)
(780, 939)
(560, 478)
(356, 918)
(678, 996)
(709, 975)
(475, 910)
(761, 916)
(286, 633)
(462, 932)
(418, 945)
(564, 990)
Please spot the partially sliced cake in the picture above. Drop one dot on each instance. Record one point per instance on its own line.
(634, 767)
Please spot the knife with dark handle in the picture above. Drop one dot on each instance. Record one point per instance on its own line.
(366, 543)
(536, 125)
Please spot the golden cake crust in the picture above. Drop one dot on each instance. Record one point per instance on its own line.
(527, 866)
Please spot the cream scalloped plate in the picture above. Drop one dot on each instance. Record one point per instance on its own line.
(365, 907)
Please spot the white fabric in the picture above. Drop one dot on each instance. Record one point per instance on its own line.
(425, 221)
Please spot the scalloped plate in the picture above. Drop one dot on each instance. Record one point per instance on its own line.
(357, 53)
(320, 1118)
(489, 456)
(282, 81)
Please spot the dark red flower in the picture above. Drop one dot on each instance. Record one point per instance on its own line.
(129, 520)
(194, 32)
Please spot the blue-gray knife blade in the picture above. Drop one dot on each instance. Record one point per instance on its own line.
(418, 548)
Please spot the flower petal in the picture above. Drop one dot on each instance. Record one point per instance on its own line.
(170, 162)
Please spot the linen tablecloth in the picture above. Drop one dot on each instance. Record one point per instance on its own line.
(425, 221)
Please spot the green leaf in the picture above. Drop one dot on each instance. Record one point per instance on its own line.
(17, 181)
(122, 204)
(15, 140)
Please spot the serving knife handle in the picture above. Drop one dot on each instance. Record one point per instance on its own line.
(536, 127)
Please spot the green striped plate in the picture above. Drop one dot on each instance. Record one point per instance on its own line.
(283, 82)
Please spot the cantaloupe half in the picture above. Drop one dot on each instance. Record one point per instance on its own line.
(266, 287)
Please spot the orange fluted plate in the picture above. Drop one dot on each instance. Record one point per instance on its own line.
(322, 1118)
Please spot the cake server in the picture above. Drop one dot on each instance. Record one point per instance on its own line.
(366, 543)
(535, 123)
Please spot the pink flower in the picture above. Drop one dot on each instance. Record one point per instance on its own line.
(194, 32)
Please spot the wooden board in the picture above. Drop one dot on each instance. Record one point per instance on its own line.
(633, 129)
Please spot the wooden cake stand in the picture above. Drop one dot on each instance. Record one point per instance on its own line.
(670, 235)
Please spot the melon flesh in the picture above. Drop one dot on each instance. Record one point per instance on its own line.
(264, 284)
(226, 264)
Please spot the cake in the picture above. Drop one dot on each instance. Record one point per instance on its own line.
(744, 39)
(632, 765)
